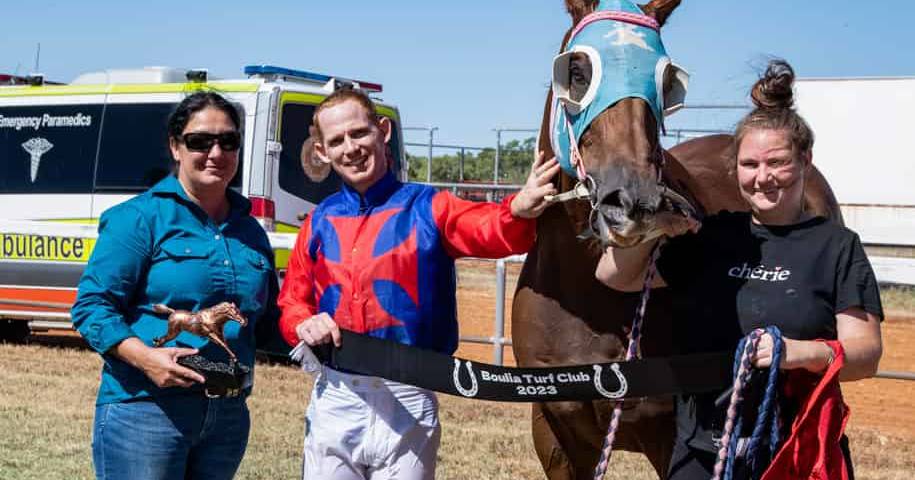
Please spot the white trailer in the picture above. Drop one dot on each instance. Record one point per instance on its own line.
(864, 132)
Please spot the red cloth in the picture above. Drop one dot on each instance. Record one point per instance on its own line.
(388, 271)
(812, 449)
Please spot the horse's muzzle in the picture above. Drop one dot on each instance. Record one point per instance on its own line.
(623, 220)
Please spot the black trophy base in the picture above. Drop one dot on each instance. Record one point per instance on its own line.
(223, 379)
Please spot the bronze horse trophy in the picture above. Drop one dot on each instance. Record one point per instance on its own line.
(221, 378)
(561, 315)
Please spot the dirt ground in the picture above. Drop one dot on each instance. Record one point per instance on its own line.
(886, 406)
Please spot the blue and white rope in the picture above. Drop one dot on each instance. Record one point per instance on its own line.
(768, 409)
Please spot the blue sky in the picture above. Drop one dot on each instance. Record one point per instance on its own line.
(465, 67)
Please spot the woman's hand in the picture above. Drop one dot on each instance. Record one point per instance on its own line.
(676, 224)
(530, 201)
(319, 329)
(159, 364)
(807, 354)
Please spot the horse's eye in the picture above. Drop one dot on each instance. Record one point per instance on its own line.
(579, 75)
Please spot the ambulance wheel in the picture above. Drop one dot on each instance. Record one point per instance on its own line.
(14, 331)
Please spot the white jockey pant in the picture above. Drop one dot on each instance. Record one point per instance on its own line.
(359, 427)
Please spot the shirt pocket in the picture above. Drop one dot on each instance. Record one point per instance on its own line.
(180, 250)
(254, 279)
(182, 271)
(257, 260)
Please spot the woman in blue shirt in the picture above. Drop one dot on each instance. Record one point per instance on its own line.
(189, 243)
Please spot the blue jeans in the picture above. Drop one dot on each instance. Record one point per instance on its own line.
(185, 436)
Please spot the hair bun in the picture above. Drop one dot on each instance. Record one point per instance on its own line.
(775, 88)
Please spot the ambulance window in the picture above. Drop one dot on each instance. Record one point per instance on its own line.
(394, 149)
(133, 152)
(48, 149)
(308, 179)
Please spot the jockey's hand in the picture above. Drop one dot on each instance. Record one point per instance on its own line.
(319, 329)
(530, 202)
(675, 224)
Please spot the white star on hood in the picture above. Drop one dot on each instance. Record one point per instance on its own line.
(627, 35)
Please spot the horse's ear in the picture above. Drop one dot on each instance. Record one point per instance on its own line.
(660, 9)
(579, 8)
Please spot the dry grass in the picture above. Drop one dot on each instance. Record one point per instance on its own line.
(47, 404)
(898, 298)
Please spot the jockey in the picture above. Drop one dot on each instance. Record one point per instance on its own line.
(378, 258)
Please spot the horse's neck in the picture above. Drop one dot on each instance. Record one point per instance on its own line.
(560, 245)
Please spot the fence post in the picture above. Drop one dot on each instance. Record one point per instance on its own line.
(461, 166)
(495, 167)
(499, 330)
(429, 164)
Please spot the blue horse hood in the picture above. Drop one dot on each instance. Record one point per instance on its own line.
(628, 59)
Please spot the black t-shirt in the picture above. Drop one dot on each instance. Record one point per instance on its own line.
(735, 276)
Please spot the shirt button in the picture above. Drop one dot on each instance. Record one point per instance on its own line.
(187, 250)
(376, 383)
(225, 262)
(354, 250)
(355, 382)
(217, 237)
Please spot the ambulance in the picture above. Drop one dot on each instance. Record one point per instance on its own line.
(70, 151)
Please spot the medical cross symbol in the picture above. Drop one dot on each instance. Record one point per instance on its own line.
(36, 147)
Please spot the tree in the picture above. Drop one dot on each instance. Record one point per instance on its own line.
(515, 159)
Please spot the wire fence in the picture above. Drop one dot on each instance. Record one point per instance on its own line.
(508, 159)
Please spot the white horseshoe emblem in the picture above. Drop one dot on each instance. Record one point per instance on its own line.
(620, 392)
(467, 392)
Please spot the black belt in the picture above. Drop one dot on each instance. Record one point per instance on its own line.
(435, 371)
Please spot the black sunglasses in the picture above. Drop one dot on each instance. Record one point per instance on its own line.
(203, 142)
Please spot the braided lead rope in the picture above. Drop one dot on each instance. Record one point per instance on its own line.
(745, 349)
(635, 337)
(768, 411)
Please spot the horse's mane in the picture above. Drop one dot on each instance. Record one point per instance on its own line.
(579, 8)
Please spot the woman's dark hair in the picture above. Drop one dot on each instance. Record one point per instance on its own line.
(195, 103)
(773, 96)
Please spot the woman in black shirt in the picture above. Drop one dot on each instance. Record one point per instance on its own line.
(774, 265)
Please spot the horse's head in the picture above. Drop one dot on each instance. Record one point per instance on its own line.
(612, 85)
(230, 311)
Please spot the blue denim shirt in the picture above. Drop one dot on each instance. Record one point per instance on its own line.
(160, 247)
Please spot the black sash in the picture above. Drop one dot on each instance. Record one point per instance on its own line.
(435, 371)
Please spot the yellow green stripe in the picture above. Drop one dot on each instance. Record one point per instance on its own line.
(281, 257)
(89, 221)
(57, 90)
(285, 228)
(298, 97)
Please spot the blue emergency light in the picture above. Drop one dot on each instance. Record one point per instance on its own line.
(305, 75)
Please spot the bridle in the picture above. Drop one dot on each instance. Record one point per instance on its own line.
(586, 187)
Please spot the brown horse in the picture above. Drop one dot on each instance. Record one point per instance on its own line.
(562, 316)
(206, 323)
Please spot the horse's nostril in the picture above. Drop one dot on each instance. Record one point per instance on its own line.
(616, 199)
